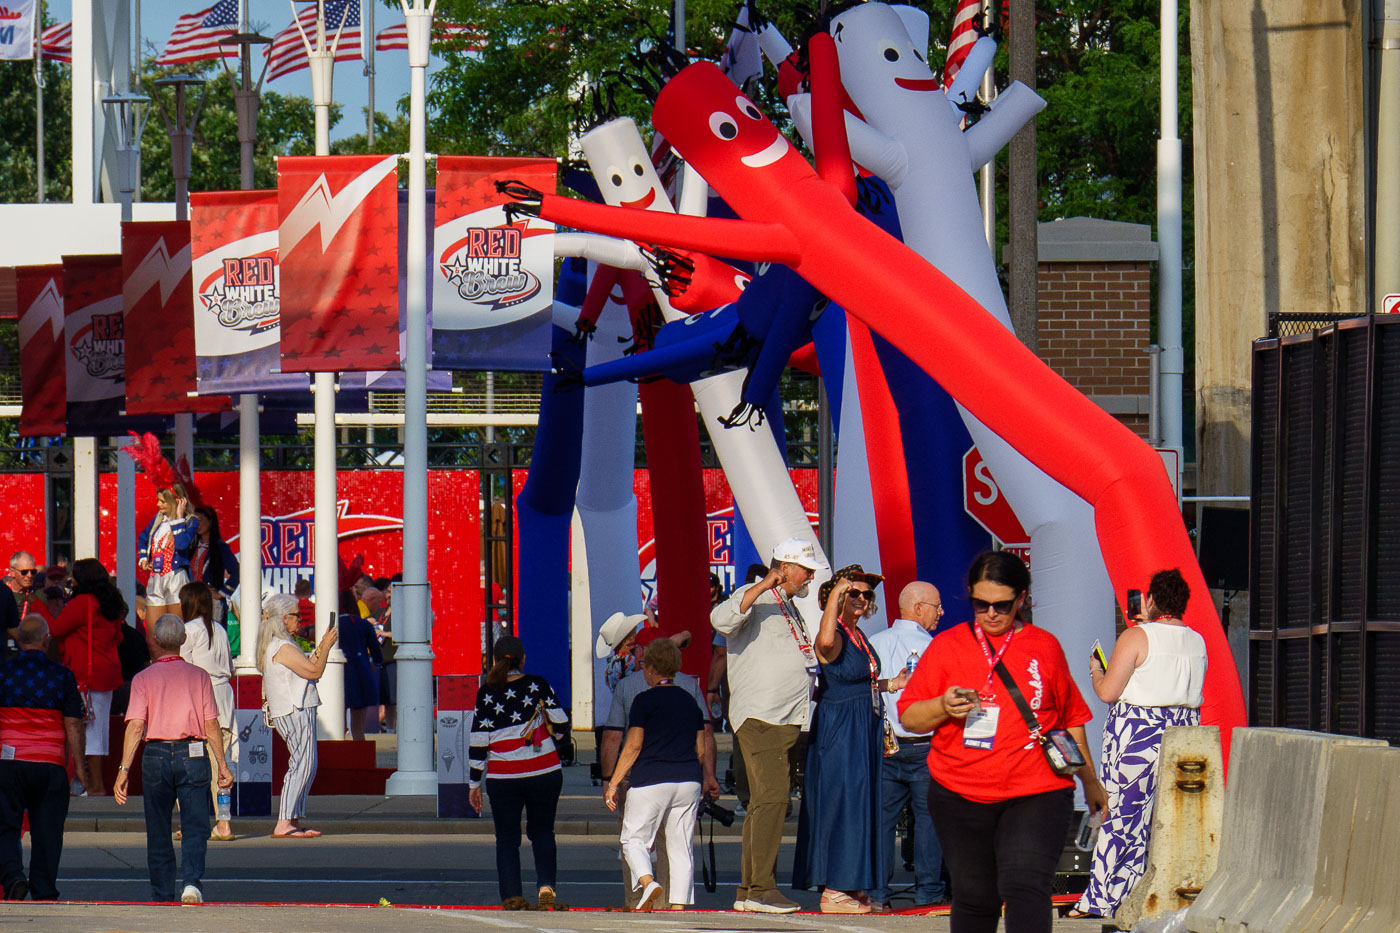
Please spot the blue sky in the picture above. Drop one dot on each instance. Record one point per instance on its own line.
(270, 17)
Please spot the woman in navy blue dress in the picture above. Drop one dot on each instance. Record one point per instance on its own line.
(362, 662)
(838, 828)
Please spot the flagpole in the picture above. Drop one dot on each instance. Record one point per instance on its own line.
(330, 718)
(39, 102)
(988, 176)
(417, 771)
(367, 44)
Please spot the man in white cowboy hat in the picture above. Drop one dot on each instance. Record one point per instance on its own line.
(772, 672)
(617, 643)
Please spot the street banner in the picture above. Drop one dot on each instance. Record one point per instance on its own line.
(235, 292)
(338, 240)
(17, 30)
(158, 319)
(493, 281)
(39, 291)
(95, 349)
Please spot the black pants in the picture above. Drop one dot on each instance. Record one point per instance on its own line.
(538, 797)
(42, 790)
(1001, 852)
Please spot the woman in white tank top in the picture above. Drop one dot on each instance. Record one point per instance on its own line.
(1153, 680)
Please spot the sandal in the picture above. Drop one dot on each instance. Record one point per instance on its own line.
(839, 902)
(298, 834)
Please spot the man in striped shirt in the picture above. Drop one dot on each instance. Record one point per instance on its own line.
(41, 727)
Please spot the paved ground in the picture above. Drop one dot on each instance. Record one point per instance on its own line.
(398, 850)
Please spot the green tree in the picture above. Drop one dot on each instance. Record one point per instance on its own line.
(18, 175)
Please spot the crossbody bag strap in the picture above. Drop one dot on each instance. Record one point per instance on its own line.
(1032, 724)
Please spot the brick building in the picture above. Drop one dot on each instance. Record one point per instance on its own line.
(1095, 300)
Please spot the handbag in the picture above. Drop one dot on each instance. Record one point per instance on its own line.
(891, 740)
(1061, 751)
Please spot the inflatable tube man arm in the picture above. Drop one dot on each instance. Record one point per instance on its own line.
(1009, 112)
(604, 250)
(872, 150)
(758, 241)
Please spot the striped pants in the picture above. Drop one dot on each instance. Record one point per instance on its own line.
(298, 730)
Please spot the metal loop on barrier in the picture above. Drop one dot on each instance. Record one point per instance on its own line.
(1187, 893)
(1191, 765)
(1191, 787)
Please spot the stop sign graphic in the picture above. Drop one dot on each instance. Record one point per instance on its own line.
(984, 502)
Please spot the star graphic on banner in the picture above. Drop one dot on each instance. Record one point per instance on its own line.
(180, 361)
(386, 269)
(463, 200)
(380, 308)
(171, 398)
(372, 249)
(319, 334)
(380, 210)
(160, 379)
(375, 349)
(357, 331)
(332, 353)
(456, 270)
(365, 290)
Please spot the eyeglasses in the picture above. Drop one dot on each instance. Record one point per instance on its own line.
(28, 573)
(937, 607)
(1001, 608)
(866, 595)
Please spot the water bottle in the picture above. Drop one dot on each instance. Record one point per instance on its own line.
(223, 806)
(1088, 830)
(911, 662)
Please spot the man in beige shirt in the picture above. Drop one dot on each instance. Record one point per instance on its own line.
(772, 672)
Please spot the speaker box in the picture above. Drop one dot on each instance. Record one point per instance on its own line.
(1223, 546)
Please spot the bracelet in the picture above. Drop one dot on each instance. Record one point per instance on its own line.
(123, 768)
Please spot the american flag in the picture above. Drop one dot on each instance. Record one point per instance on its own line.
(395, 38)
(58, 43)
(965, 32)
(289, 53)
(197, 35)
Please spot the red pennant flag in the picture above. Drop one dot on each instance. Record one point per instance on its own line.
(338, 241)
(158, 310)
(42, 388)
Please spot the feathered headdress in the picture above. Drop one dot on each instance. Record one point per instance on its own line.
(147, 454)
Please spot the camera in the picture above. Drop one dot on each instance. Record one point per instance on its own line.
(715, 811)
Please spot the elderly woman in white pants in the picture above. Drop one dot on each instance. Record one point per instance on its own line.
(289, 689)
(662, 754)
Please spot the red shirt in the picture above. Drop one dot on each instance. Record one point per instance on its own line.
(80, 619)
(1009, 768)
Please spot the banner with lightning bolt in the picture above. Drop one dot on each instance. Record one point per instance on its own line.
(493, 281)
(237, 303)
(95, 349)
(158, 317)
(338, 240)
(39, 292)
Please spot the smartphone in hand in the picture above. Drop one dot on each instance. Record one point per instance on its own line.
(1134, 604)
(970, 695)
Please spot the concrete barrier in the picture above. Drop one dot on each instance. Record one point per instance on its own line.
(1355, 889)
(1186, 822)
(1269, 841)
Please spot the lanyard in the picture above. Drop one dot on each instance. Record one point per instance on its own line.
(858, 639)
(800, 637)
(992, 660)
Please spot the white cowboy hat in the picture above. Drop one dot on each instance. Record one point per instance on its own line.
(618, 626)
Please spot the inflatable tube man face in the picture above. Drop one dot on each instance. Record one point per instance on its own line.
(622, 168)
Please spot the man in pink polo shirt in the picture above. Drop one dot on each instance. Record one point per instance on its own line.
(172, 708)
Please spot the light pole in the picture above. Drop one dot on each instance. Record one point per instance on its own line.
(417, 771)
(128, 112)
(180, 129)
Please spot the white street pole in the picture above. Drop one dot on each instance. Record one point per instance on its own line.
(417, 771)
(1387, 238)
(39, 103)
(988, 174)
(330, 717)
(1173, 361)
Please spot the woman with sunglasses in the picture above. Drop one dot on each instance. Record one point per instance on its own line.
(838, 828)
(1000, 810)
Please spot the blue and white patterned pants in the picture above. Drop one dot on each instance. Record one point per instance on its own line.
(1132, 740)
(298, 730)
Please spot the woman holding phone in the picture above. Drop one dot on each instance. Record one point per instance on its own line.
(1001, 810)
(1153, 680)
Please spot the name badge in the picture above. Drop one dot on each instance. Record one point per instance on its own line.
(196, 749)
(7, 752)
(980, 727)
(813, 683)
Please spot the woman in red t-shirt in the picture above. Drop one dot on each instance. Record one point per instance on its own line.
(1000, 811)
(88, 632)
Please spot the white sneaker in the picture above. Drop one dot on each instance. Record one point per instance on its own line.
(651, 895)
(191, 895)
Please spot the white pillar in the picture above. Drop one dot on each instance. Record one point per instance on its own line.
(249, 534)
(1173, 356)
(417, 771)
(84, 108)
(126, 527)
(85, 508)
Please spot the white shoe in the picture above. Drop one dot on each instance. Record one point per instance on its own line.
(191, 895)
(651, 894)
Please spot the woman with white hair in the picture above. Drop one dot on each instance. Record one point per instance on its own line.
(290, 699)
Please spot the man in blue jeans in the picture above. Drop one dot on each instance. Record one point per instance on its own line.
(172, 707)
(904, 776)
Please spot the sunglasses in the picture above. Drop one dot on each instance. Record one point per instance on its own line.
(27, 573)
(1001, 607)
(866, 595)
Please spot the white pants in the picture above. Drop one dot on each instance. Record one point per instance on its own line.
(98, 729)
(647, 808)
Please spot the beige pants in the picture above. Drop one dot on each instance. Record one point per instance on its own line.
(766, 749)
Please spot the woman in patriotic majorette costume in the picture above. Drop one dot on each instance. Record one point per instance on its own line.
(166, 543)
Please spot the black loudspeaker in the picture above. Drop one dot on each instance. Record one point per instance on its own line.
(1223, 547)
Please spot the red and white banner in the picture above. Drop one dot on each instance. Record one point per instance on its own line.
(39, 292)
(338, 239)
(95, 344)
(237, 303)
(493, 282)
(158, 309)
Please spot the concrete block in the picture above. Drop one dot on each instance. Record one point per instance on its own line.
(1355, 889)
(1269, 841)
(1186, 823)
